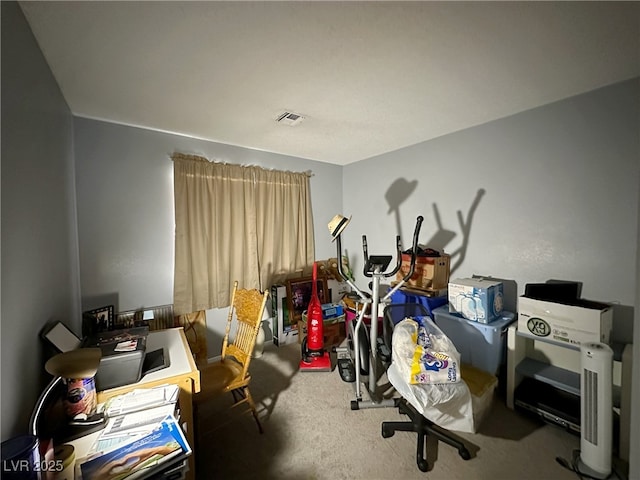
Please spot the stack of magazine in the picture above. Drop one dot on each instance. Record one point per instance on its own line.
(142, 438)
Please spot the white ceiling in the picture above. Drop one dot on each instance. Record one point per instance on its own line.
(369, 77)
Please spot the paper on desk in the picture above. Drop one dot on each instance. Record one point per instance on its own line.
(141, 399)
(127, 346)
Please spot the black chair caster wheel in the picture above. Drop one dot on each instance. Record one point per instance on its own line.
(386, 433)
(423, 465)
(465, 454)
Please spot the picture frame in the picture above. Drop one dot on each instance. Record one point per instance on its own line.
(299, 295)
(99, 319)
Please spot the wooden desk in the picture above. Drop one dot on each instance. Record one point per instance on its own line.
(182, 371)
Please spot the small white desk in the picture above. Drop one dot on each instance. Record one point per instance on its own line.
(182, 371)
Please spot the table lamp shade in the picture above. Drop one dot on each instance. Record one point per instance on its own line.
(79, 363)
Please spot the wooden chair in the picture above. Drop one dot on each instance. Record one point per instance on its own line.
(231, 372)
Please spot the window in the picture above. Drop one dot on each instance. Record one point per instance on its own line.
(236, 222)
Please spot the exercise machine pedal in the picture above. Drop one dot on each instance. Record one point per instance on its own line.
(346, 370)
(345, 366)
(383, 350)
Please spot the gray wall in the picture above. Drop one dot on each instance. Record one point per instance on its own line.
(560, 182)
(560, 200)
(39, 238)
(126, 211)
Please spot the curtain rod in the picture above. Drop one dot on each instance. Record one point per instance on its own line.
(200, 158)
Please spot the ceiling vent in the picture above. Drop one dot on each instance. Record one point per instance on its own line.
(289, 118)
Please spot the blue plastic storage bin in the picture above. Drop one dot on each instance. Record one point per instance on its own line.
(482, 345)
(403, 297)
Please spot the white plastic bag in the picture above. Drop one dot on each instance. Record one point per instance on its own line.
(446, 404)
(424, 354)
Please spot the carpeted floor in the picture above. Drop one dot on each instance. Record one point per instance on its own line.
(311, 433)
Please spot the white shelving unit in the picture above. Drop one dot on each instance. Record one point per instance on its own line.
(559, 366)
(558, 377)
(547, 362)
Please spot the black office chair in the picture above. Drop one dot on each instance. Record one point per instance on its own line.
(417, 422)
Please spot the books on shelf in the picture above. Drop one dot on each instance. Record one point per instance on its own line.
(142, 437)
(144, 454)
(122, 428)
(141, 399)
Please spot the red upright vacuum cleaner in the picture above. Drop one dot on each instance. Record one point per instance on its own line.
(314, 356)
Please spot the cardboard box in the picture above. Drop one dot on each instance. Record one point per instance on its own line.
(430, 273)
(284, 331)
(337, 289)
(477, 299)
(580, 322)
(482, 386)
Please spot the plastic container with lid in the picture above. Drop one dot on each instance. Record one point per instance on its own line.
(21, 458)
(482, 345)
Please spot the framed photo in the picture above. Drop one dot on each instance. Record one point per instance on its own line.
(102, 319)
(299, 295)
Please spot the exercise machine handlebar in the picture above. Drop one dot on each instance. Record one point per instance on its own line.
(414, 254)
(414, 250)
(344, 275)
(365, 252)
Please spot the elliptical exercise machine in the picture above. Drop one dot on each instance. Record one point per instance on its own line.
(364, 349)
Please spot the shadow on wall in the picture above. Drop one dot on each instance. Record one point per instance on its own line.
(442, 237)
(401, 189)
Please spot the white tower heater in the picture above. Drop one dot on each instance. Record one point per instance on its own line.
(596, 410)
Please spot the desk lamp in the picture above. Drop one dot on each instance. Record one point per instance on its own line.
(77, 368)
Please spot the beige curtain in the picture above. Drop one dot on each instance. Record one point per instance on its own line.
(236, 223)
(284, 224)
